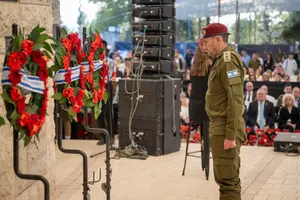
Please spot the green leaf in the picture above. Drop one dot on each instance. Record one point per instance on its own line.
(35, 33)
(71, 112)
(43, 38)
(51, 73)
(32, 109)
(38, 137)
(46, 53)
(97, 110)
(48, 48)
(58, 96)
(59, 60)
(27, 140)
(2, 121)
(14, 117)
(63, 100)
(63, 33)
(105, 98)
(6, 97)
(88, 102)
(37, 46)
(18, 43)
(37, 147)
(73, 58)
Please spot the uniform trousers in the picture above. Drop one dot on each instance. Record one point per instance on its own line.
(226, 162)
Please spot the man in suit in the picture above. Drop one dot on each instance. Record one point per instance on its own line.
(296, 94)
(261, 113)
(249, 94)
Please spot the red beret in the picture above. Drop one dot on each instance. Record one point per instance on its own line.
(214, 29)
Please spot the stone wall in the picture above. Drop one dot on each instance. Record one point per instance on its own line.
(27, 14)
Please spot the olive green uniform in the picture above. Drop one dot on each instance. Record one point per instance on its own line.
(225, 108)
(254, 64)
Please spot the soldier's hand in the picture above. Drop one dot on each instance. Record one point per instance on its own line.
(229, 144)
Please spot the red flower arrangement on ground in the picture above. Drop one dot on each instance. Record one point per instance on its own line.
(27, 118)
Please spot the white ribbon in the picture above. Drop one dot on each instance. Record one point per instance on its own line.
(28, 82)
(60, 74)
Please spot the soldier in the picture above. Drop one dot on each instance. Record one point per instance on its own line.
(225, 108)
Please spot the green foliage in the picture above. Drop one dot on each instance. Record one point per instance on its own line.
(113, 13)
(2, 121)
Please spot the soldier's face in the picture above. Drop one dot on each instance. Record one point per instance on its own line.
(211, 46)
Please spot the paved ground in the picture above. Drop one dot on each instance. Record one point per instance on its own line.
(266, 175)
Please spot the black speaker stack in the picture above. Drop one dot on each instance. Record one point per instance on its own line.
(156, 122)
(154, 35)
(149, 102)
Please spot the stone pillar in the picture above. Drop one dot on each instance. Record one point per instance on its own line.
(27, 14)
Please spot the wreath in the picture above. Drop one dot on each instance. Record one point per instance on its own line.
(24, 80)
(83, 87)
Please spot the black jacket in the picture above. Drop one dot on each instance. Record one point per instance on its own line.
(284, 116)
(269, 113)
(197, 99)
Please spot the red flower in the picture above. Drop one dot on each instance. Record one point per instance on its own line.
(68, 76)
(102, 56)
(27, 46)
(102, 83)
(16, 60)
(38, 57)
(95, 97)
(80, 119)
(15, 94)
(72, 100)
(42, 112)
(24, 119)
(101, 94)
(81, 94)
(66, 61)
(43, 73)
(68, 92)
(34, 126)
(21, 106)
(67, 44)
(89, 78)
(76, 108)
(15, 77)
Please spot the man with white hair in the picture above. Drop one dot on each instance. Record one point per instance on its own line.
(268, 97)
(249, 94)
(261, 113)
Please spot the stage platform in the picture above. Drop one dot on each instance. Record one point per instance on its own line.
(265, 174)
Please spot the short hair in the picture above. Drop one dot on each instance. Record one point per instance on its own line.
(287, 85)
(285, 97)
(225, 38)
(261, 90)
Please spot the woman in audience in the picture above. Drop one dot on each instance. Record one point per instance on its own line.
(264, 77)
(286, 78)
(289, 117)
(277, 78)
(184, 111)
(252, 77)
(268, 63)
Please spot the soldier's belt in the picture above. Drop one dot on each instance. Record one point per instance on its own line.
(217, 119)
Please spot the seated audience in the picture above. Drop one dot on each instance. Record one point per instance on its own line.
(296, 94)
(249, 94)
(268, 63)
(287, 90)
(269, 98)
(289, 117)
(261, 113)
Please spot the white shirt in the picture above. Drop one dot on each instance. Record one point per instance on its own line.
(290, 66)
(258, 111)
(271, 99)
(249, 96)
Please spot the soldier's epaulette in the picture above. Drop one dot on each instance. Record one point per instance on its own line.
(227, 56)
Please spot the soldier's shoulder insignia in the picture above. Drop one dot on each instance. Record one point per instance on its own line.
(232, 73)
(227, 56)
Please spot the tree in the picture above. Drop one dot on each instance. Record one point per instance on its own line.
(291, 32)
(112, 13)
(81, 20)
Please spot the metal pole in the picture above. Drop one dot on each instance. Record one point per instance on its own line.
(219, 10)
(237, 22)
